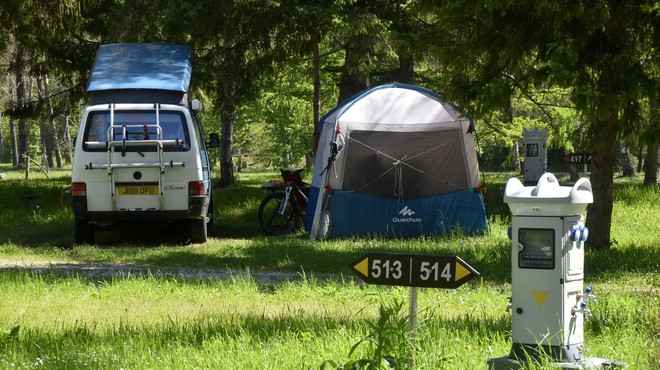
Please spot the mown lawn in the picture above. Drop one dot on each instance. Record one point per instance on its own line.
(140, 321)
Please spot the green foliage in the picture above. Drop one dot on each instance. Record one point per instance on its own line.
(503, 52)
(255, 56)
(275, 132)
(388, 344)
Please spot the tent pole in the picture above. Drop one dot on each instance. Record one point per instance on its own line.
(317, 213)
(321, 196)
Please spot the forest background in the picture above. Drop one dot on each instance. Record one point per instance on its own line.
(588, 72)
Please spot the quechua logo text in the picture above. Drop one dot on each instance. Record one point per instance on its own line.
(406, 215)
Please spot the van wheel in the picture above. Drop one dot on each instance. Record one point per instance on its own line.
(198, 230)
(83, 231)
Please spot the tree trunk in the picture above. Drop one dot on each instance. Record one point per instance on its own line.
(406, 71)
(228, 109)
(625, 158)
(23, 144)
(599, 219)
(355, 76)
(226, 159)
(572, 171)
(14, 141)
(651, 165)
(68, 141)
(515, 150)
(316, 61)
(52, 141)
(13, 131)
(515, 157)
(2, 142)
(653, 143)
(56, 141)
(46, 158)
(227, 118)
(44, 135)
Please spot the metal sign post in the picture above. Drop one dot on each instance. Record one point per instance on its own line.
(413, 270)
(412, 320)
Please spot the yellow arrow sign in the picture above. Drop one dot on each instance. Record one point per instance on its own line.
(362, 267)
(461, 272)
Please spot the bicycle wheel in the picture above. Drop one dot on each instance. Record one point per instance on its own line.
(274, 223)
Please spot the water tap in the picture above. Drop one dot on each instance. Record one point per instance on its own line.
(587, 296)
(581, 308)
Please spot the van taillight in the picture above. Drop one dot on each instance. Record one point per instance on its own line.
(79, 189)
(195, 188)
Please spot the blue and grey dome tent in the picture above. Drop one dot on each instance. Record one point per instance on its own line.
(395, 160)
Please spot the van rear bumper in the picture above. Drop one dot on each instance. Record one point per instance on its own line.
(197, 208)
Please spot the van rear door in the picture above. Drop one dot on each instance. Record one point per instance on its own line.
(138, 143)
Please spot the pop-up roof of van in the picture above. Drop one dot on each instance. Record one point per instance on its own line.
(141, 66)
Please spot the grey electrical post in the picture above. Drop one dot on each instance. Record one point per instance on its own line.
(536, 154)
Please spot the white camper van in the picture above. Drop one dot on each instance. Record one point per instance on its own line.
(140, 152)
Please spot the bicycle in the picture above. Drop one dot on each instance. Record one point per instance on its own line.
(280, 211)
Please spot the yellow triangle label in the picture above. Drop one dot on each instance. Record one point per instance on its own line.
(540, 297)
(363, 267)
(461, 272)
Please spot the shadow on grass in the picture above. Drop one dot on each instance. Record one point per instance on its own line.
(640, 258)
(299, 255)
(489, 256)
(236, 218)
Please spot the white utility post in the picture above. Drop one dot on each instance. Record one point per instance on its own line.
(549, 302)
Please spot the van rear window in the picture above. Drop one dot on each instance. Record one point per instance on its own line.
(136, 126)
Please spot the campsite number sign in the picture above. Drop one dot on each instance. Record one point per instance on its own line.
(414, 270)
(578, 158)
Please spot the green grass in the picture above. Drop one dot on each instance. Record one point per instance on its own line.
(56, 321)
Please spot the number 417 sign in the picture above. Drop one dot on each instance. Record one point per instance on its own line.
(414, 270)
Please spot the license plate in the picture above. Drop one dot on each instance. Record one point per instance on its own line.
(138, 190)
